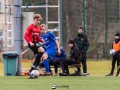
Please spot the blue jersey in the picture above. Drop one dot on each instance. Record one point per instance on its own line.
(49, 40)
(62, 56)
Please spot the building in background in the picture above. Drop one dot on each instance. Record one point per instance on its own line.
(1, 24)
(6, 25)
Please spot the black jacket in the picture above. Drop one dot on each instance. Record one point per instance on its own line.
(82, 42)
(75, 53)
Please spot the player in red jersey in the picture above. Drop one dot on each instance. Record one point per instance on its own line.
(32, 36)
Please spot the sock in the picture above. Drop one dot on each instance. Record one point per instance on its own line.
(32, 68)
(37, 59)
(46, 64)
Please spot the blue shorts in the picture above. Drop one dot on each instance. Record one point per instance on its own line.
(51, 52)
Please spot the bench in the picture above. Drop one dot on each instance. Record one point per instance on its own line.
(69, 66)
(24, 70)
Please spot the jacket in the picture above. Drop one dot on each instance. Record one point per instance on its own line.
(75, 53)
(82, 43)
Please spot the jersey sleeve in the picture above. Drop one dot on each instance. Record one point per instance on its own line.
(52, 36)
(40, 40)
(27, 34)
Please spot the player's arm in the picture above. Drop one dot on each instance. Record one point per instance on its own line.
(27, 35)
(39, 39)
(87, 43)
(58, 46)
(56, 41)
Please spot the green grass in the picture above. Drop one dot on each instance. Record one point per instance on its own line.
(95, 81)
(96, 68)
(72, 83)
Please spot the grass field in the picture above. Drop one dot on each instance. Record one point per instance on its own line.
(62, 83)
(96, 68)
(96, 80)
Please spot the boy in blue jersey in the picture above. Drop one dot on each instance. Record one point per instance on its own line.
(58, 59)
(50, 45)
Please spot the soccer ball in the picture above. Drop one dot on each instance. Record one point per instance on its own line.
(53, 87)
(112, 52)
(34, 74)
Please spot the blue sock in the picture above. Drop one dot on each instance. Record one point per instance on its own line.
(46, 64)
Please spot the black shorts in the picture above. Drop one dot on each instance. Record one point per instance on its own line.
(35, 47)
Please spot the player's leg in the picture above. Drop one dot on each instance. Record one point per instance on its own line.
(61, 65)
(41, 49)
(113, 66)
(118, 64)
(46, 62)
(50, 63)
(118, 71)
(38, 51)
(56, 63)
(36, 61)
(49, 53)
(65, 65)
(83, 61)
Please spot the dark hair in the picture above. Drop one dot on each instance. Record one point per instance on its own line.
(117, 34)
(80, 27)
(71, 42)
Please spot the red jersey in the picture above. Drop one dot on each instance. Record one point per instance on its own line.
(32, 34)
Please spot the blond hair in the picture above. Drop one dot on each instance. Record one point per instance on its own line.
(43, 25)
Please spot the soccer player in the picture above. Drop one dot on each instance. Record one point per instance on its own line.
(58, 59)
(116, 56)
(50, 45)
(32, 37)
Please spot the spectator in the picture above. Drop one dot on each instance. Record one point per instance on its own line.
(59, 58)
(75, 57)
(82, 42)
(116, 57)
